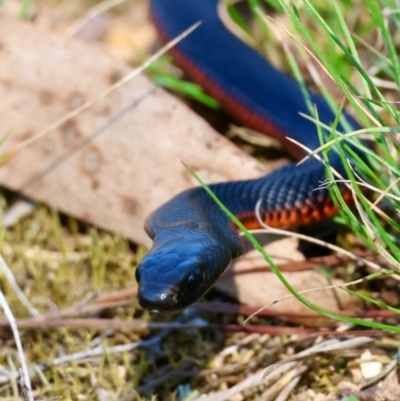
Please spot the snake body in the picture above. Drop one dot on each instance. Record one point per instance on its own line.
(194, 241)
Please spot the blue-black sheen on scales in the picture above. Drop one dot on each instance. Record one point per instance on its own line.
(194, 241)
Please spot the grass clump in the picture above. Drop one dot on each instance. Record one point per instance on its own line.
(338, 55)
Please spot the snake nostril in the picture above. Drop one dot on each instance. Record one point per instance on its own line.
(149, 300)
(157, 297)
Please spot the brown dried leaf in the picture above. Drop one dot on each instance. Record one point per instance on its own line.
(134, 166)
(260, 289)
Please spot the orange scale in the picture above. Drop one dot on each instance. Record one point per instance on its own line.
(347, 196)
(268, 220)
(304, 210)
(294, 217)
(329, 210)
(280, 219)
(285, 218)
(316, 215)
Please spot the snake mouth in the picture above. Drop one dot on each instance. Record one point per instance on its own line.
(158, 298)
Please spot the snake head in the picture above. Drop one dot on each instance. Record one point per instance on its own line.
(176, 273)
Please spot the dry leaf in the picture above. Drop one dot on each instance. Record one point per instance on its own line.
(133, 166)
(260, 289)
(370, 366)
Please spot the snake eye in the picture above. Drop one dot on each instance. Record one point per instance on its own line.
(137, 275)
(195, 279)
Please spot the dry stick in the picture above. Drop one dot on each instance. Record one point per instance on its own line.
(17, 339)
(381, 83)
(140, 326)
(286, 391)
(65, 317)
(73, 311)
(79, 357)
(103, 94)
(93, 12)
(385, 192)
(372, 49)
(18, 292)
(237, 309)
(327, 287)
(301, 265)
(106, 301)
(252, 137)
(280, 385)
(232, 27)
(95, 307)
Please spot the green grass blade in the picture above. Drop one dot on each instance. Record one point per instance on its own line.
(377, 15)
(187, 88)
(26, 4)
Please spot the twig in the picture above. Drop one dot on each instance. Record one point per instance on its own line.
(18, 292)
(301, 265)
(236, 309)
(93, 12)
(307, 291)
(17, 339)
(282, 383)
(287, 390)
